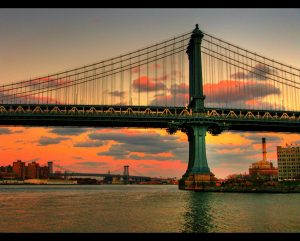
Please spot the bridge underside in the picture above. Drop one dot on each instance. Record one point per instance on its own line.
(63, 121)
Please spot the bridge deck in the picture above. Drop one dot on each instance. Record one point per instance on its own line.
(148, 117)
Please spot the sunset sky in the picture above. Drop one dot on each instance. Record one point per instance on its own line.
(37, 42)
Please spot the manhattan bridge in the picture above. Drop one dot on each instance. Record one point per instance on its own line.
(194, 83)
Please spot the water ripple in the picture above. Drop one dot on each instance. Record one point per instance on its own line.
(137, 208)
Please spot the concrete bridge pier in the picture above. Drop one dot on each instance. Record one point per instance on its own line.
(197, 175)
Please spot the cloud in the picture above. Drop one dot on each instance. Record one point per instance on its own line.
(5, 131)
(140, 141)
(90, 144)
(242, 94)
(146, 166)
(18, 131)
(236, 93)
(258, 72)
(68, 131)
(117, 151)
(144, 84)
(45, 141)
(230, 147)
(233, 91)
(232, 155)
(179, 96)
(239, 75)
(257, 138)
(170, 100)
(92, 164)
(77, 157)
(258, 104)
(179, 89)
(118, 93)
(140, 146)
(149, 157)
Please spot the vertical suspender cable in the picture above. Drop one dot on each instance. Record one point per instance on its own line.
(139, 79)
(148, 77)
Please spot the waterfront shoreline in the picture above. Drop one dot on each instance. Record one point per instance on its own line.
(268, 190)
(250, 190)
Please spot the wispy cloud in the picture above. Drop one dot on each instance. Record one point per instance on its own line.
(68, 131)
(144, 84)
(258, 72)
(5, 131)
(45, 141)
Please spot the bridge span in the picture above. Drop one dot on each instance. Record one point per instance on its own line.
(195, 83)
(172, 118)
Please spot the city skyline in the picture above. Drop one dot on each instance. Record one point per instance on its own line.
(32, 48)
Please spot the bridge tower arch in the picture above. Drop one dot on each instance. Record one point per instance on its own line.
(198, 173)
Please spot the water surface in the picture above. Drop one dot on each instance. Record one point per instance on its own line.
(143, 208)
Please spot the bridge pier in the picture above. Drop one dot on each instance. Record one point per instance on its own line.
(198, 174)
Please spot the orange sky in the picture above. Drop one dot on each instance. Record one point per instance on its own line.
(147, 151)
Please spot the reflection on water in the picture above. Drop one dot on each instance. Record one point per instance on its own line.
(242, 212)
(143, 208)
(197, 217)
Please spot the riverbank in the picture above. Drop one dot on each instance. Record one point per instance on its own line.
(38, 182)
(262, 189)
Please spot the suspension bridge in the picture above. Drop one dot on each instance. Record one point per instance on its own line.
(194, 82)
(121, 173)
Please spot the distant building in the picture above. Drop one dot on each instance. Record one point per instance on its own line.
(288, 162)
(19, 169)
(7, 175)
(263, 168)
(6, 172)
(50, 169)
(33, 170)
(9, 168)
(44, 172)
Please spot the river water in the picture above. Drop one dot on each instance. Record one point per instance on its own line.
(143, 208)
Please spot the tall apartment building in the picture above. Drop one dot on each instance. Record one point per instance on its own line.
(288, 162)
(19, 169)
(44, 172)
(33, 170)
(50, 169)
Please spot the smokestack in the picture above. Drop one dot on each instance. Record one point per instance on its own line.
(264, 149)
